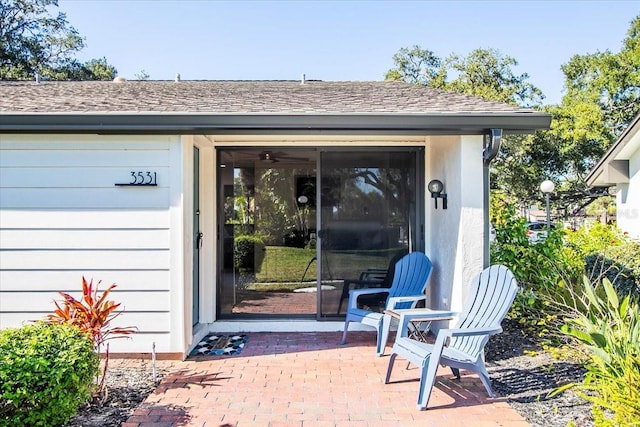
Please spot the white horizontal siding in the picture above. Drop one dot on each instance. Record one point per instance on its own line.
(152, 329)
(38, 302)
(145, 322)
(87, 142)
(143, 343)
(85, 239)
(84, 219)
(100, 159)
(79, 177)
(71, 280)
(62, 217)
(85, 198)
(77, 260)
(42, 175)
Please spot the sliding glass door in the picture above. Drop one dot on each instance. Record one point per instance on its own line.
(296, 225)
(368, 212)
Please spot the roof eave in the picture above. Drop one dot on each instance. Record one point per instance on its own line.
(189, 123)
(596, 176)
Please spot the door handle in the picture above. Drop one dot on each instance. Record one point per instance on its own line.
(199, 240)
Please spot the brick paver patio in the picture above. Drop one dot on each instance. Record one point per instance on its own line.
(307, 379)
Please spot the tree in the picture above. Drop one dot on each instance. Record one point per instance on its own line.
(95, 69)
(602, 97)
(142, 75)
(32, 41)
(487, 74)
(417, 66)
(609, 81)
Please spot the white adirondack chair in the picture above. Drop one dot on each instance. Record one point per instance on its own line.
(410, 279)
(461, 347)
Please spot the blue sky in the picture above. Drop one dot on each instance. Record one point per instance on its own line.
(339, 40)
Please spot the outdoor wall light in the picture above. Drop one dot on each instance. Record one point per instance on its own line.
(435, 188)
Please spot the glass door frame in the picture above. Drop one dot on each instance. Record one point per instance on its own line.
(418, 212)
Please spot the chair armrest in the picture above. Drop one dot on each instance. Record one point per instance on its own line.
(422, 314)
(362, 282)
(459, 332)
(373, 274)
(391, 303)
(354, 294)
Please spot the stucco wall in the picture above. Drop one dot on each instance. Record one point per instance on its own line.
(628, 199)
(456, 234)
(62, 217)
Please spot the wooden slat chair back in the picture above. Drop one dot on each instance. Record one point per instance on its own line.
(461, 347)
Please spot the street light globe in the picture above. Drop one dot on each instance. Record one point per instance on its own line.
(547, 186)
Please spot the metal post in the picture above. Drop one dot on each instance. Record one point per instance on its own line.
(548, 219)
(547, 187)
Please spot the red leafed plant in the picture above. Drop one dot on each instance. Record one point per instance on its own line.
(93, 314)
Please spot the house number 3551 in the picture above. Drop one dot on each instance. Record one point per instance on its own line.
(141, 178)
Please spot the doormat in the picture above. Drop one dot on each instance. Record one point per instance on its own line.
(216, 345)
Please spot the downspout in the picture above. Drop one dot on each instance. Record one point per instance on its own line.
(490, 150)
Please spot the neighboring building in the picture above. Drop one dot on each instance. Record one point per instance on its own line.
(182, 192)
(620, 167)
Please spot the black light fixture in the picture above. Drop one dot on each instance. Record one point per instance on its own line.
(435, 188)
(267, 157)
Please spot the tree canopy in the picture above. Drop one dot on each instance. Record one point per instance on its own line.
(602, 97)
(34, 41)
(485, 73)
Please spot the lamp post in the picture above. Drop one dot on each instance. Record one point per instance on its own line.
(547, 187)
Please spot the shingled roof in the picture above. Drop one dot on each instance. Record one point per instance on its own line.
(235, 100)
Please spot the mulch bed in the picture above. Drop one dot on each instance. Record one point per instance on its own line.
(523, 373)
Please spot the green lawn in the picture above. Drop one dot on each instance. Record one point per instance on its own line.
(286, 265)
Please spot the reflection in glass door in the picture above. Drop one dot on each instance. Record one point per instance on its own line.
(268, 233)
(271, 203)
(368, 217)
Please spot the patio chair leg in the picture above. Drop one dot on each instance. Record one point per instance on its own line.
(345, 295)
(383, 334)
(344, 334)
(392, 358)
(484, 377)
(456, 373)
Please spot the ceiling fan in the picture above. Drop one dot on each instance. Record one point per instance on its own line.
(271, 157)
(265, 157)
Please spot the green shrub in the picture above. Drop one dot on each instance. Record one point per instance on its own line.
(535, 265)
(627, 255)
(600, 251)
(46, 371)
(248, 251)
(594, 238)
(623, 279)
(550, 272)
(609, 328)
